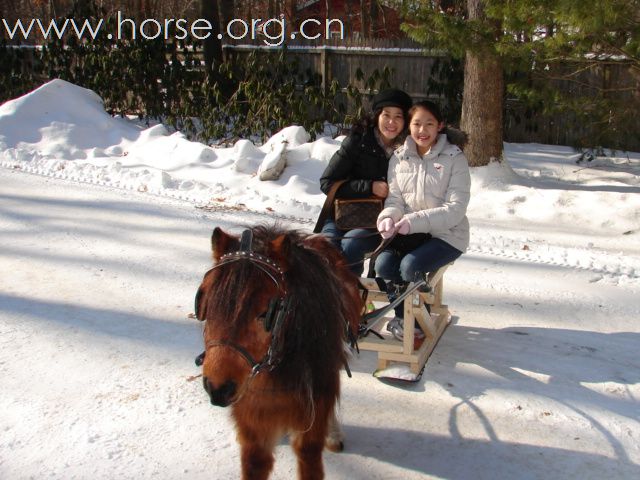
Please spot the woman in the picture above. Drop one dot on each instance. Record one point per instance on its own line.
(429, 189)
(363, 160)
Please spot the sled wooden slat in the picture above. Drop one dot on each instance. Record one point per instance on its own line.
(432, 324)
(373, 293)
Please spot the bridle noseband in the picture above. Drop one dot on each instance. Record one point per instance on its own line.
(279, 307)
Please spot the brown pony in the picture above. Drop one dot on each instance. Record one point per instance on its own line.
(278, 306)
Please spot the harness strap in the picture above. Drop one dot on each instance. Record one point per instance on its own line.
(246, 240)
(263, 263)
(255, 366)
(375, 315)
(276, 274)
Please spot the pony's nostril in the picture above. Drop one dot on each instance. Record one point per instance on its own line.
(228, 389)
(223, 395)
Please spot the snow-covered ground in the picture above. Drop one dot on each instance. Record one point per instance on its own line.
(102, 248)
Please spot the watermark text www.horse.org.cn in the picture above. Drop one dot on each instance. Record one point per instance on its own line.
(271, 31)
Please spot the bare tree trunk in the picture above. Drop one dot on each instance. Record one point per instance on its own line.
(225, 15)
(138, 9)
(290, 15)
(364, 28)
(55, 10)
(374, 10)
(225, 11)
(212, 45)
(483, 101)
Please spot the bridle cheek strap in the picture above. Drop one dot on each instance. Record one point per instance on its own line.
(272, 357)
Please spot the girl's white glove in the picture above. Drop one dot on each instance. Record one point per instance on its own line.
(386, 227)
(403, 226)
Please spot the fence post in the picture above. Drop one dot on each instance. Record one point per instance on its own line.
(324, 71)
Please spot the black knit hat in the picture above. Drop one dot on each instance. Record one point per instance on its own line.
(391, 98)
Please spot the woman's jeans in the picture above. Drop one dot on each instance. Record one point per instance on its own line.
(355, 244)
(428, 257)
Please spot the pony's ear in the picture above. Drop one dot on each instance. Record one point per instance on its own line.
(222, 243)
(280, 248)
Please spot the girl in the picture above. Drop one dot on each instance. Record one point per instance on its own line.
(429, 186)
(363, 160)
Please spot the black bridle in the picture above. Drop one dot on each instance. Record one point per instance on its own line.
(279, 307)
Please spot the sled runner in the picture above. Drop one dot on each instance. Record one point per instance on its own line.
(405, 360)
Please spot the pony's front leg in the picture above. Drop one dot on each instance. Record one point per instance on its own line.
(310, 443)
(308, 447)
(256, 455)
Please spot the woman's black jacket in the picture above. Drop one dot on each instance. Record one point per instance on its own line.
(360, 160)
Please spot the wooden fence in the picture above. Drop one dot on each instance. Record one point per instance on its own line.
(340, 61)
(412, 68)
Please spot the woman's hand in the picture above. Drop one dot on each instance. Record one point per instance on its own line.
(386, 227)
(380, 189)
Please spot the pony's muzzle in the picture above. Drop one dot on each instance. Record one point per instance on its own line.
(221, 396)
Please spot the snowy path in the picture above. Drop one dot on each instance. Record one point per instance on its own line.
(605, 266)
(537, 377)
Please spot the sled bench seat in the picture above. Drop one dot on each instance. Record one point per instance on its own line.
(415, 353)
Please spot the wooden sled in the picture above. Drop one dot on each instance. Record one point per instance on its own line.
(413, 354)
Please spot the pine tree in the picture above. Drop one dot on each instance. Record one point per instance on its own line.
(537, 47)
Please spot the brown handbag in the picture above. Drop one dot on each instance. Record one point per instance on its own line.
(356, 213)
(349, 213)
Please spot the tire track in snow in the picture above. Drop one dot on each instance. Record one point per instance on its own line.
(608, 267)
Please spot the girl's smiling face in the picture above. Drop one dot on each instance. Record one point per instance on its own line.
(424, 129)
(390, 124)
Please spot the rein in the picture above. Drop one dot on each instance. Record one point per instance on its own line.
(357, 237)
(384, 243)
(366, 235)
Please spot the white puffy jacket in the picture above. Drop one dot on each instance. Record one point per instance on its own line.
(431, 190)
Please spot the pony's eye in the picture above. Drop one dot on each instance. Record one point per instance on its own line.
(262, 318)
